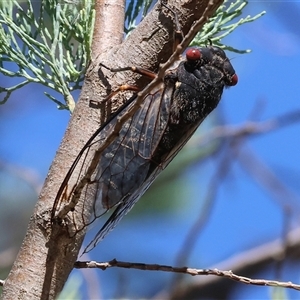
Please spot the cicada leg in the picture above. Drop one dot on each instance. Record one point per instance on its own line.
(124, 87)
(137, 70)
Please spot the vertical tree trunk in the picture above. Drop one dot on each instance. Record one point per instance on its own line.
(48, 253)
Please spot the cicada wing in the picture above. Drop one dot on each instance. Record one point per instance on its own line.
(123, 171)
(129, 201)
(156, 117)
(62, 198)
(120, 211)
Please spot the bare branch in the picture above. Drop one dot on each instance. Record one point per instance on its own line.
(242, 263)
(108, 34)
(47, 274)
(185, 270)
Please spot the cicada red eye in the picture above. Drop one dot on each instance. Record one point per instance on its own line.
(193, 54)
(234, 80)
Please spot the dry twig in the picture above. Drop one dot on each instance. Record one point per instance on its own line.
(185, 270)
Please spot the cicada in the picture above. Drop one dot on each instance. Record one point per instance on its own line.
(152, 137)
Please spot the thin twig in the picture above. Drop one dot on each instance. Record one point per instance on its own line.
(185, 270)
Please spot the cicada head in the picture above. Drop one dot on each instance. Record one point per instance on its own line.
(212, 57)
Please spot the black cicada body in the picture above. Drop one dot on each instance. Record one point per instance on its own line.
(150, 139)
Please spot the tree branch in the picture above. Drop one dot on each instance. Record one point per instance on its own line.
(249, 259)
(54, 251)
(108, 34)
(185, 270)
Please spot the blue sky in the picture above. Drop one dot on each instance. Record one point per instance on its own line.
(245, 213)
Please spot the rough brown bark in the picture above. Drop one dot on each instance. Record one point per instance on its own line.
(47, 255)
